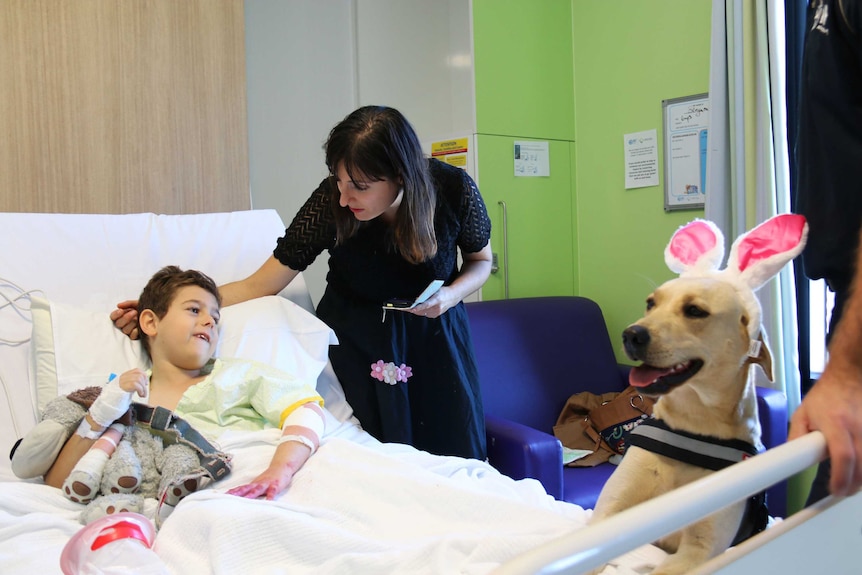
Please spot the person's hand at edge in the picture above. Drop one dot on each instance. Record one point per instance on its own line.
(125, 318)
(834, 407)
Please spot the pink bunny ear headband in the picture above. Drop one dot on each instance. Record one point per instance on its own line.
(697, 249)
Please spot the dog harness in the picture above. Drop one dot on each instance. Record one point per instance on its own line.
(709, 453)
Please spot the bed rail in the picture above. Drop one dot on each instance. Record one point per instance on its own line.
(589, 548)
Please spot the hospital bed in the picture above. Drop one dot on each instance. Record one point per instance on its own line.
(357, 506)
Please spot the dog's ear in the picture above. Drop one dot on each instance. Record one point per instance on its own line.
(763, 357)
(698, 246)
(759, 254)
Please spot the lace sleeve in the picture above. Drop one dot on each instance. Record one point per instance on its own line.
(311, 231)
(475, 224)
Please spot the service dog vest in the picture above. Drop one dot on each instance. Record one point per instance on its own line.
(710, 453)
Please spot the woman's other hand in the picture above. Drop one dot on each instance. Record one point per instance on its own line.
(125, 318)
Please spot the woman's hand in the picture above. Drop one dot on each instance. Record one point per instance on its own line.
(125, 318)
(437, 304)
(475, 269)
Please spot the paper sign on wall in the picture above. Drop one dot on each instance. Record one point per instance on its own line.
(532, 159)
(686, 129)
(641, 153)
(452, 151)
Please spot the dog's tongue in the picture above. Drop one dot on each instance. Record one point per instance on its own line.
(643, 375)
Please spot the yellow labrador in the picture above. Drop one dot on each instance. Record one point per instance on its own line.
(697, 340)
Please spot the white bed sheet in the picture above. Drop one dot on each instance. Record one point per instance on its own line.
(357, 506)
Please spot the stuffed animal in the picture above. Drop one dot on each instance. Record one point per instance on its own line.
(143, 464)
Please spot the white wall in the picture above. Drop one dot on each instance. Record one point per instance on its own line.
(309, 63)
(299, 71)
(416, 55)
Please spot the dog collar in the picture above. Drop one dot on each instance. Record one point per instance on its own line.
(702, 450)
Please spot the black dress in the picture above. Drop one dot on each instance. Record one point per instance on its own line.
(410, 379)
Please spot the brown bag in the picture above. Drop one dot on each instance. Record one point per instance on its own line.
(601, 423)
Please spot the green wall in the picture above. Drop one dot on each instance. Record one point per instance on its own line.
(523, 67)
(525, 91)
(629, 55)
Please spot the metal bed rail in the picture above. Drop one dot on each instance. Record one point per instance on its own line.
(595, 545)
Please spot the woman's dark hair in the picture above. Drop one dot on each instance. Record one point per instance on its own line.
(375, 143)
(160, 291)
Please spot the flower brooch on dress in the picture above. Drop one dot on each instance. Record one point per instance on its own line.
(389, 372)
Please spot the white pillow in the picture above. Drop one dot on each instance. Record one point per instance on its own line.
(75, 347)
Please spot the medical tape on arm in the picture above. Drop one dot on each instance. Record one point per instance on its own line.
(107, 440)
(307, 418)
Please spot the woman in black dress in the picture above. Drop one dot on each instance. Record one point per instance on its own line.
(393, 221)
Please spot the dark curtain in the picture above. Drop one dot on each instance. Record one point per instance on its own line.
(794, 13)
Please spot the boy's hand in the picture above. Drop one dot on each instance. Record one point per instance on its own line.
(116, 397)
(269, 484)
(135, 381)
(125, 318)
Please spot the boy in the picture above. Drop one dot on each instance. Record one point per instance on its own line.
(178, 314)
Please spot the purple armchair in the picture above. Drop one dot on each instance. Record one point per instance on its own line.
(533, 354)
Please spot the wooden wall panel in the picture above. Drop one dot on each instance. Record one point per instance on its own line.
(122, 106)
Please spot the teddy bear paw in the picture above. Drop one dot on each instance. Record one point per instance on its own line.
(123, 471)
(81, 486)
(110, 504)
(176, 491)
(124, 484)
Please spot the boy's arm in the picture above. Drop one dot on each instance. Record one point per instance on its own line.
(301, 434)
(113, 402)
(73, 450)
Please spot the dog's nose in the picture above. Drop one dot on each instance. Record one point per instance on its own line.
(635, 341)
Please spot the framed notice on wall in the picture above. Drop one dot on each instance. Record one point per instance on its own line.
(686, 124)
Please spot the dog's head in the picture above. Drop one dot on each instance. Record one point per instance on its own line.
(709, 319)
(690, 324)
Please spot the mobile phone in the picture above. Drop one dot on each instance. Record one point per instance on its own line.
(398, 304)
(410, 304)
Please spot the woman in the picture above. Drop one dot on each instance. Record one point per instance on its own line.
(392, 221)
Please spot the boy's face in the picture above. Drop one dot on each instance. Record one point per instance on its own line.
(187, 335)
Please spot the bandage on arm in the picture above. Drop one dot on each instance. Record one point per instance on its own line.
(311, 423)
(112, 403)
(93, 462)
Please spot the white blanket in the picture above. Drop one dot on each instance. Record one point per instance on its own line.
(357, 506)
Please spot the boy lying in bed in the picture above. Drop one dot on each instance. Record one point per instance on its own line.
(178, 321)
